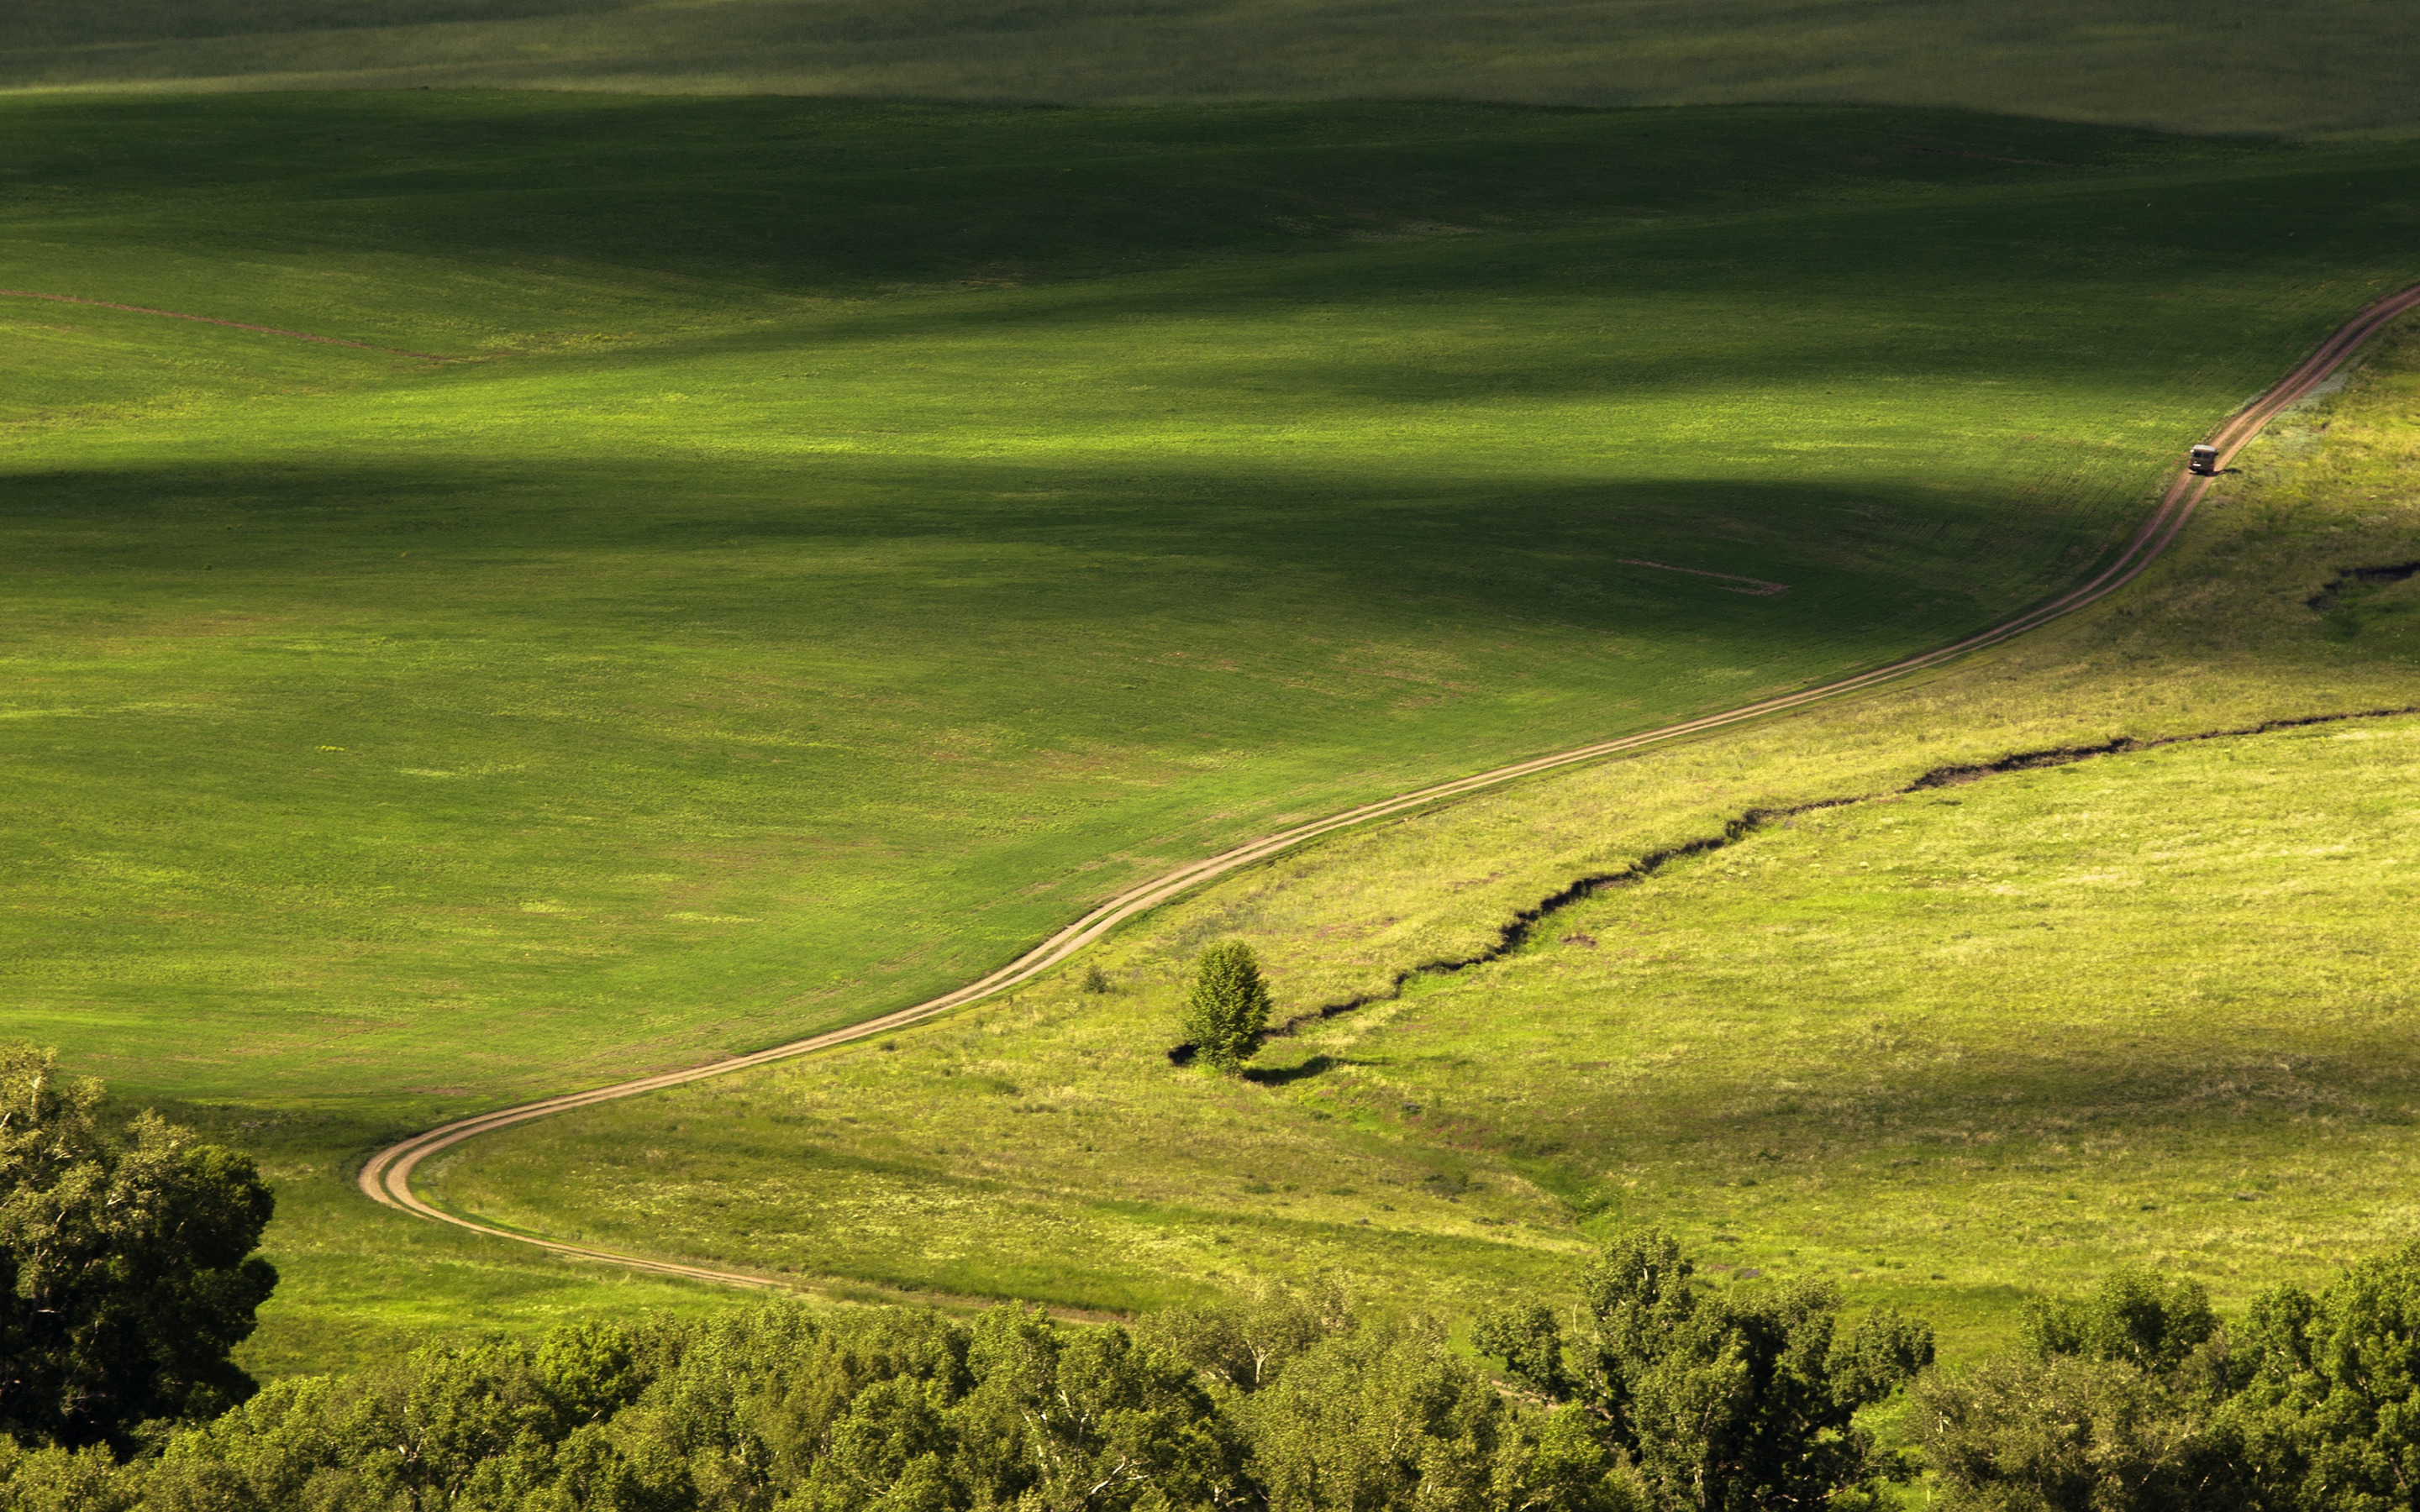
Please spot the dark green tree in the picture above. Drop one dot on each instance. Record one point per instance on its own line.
(1089, 1420)
(1229, 1007)
(2111, 1405)
(484, 1425)
(1242, 1345)
(1378, 1417)
(2070, 1433)
(1738, 1398)
(2328, 1417)
(897, 1446)
(2134, 1317)
(126, 1265)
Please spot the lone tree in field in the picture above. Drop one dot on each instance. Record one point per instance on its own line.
(1229, 1007)
(126, 1265)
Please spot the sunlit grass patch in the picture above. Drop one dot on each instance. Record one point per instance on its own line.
(1953, 1046)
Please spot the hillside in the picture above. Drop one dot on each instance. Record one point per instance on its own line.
(2295, 67)
(1954, 1037)
(766, 561)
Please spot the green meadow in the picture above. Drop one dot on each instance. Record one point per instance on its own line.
(2225, 66)
(772, 559)
(1952, 1047)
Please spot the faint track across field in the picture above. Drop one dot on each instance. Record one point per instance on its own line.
(387, 1175)
(213, 320)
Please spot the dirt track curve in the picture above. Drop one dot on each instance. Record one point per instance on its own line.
(387, 1177)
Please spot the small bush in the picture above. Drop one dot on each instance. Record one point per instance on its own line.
(1094, 981)
(1229, 1007)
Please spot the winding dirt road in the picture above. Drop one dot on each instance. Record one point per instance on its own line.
(387, 1177)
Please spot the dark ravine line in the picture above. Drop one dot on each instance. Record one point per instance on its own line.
(1514, 933)
(1943, 776)
(2325, 598)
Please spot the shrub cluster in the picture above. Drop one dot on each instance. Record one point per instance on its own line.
(1655, 1393)
(1280, 1405)
(2140, 1398)
(1740, 1398)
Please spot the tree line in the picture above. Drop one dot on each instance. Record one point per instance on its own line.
(1643, 1386)
(1285, 1402)
(1655, 1391)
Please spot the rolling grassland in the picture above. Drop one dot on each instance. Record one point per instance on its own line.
(2227, 66)
(766, 561)
(1953, 1046)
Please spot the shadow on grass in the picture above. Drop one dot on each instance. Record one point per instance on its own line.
(1282, 1076)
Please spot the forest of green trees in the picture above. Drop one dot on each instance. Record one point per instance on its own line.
(1644, 1387)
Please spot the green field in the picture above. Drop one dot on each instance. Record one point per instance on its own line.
(1951, 1047)
(2226, 66)
(840, 541)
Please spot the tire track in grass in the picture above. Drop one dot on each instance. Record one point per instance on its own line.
(387, 1176)
(213, 320)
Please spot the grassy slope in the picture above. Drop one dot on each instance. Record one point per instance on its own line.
(737, 643)
(842, 527)
(1951, 1048)
(2231, 66)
